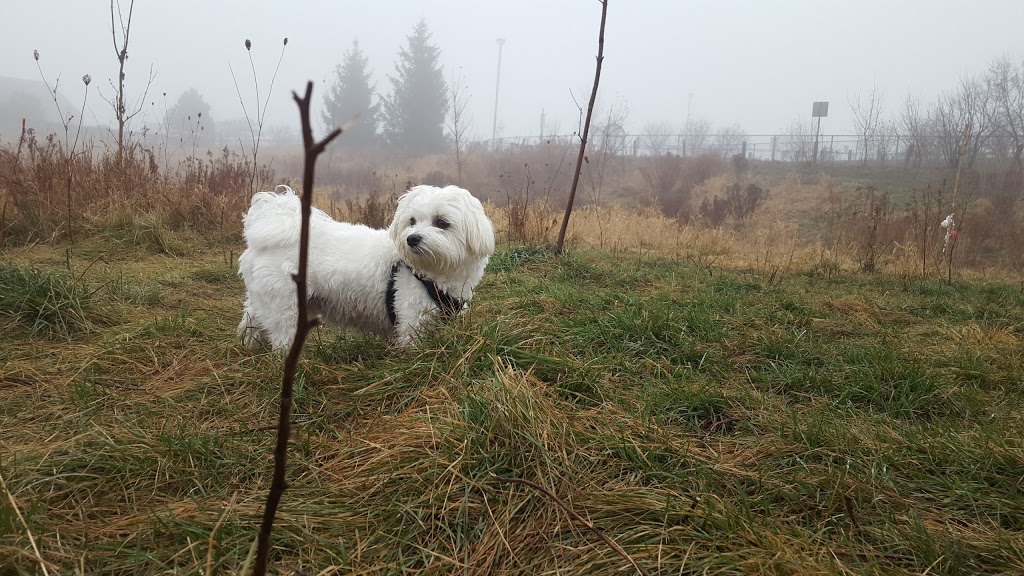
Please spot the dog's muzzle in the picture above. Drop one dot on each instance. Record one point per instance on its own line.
(414, 240)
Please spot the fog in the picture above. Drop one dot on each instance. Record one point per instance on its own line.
(757, 64)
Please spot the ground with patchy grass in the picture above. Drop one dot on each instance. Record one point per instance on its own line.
(729, 422)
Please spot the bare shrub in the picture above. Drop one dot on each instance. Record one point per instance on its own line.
(706, 248)
(671, 180)
(873, 228)
(375, 211)
(714, 211)
(663, 175)
(996, 231)
(739, 203)
(774, 249)
(529, 220)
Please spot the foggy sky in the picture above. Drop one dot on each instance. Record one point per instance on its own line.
(759, 64)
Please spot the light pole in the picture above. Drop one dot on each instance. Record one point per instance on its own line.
(687, 127)
(497, 86)
(689, 103)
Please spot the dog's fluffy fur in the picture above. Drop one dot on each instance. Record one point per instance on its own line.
(438, 235)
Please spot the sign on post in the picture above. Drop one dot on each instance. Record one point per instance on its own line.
(819, 110)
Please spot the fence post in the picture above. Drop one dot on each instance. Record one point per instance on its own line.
(775, 140)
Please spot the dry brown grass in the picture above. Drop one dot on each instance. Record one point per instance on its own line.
(811, 220)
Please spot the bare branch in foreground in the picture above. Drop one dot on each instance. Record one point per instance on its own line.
(303, 326)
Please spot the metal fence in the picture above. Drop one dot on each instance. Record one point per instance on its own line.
(831, 148)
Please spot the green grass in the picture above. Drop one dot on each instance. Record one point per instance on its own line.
(49, 304)
(863, 424)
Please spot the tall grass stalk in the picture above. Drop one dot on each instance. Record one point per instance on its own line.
(256, 133)
(70, 148)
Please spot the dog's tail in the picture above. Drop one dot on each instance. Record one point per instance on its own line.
(279, 191)
(273, 219)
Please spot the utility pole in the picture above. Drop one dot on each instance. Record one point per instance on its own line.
(497, 87)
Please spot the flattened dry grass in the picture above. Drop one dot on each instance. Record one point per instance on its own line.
(717, 423)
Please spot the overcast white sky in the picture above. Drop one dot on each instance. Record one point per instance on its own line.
(755, 63)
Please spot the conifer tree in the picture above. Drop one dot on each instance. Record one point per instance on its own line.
(414, 112)
(189, 120)
(349, 101)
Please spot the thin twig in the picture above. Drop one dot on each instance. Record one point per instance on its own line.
(618, 549)
(303, 326)
(39, 557)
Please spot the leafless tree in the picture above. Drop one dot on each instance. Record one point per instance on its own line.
(458, 118)
(697, 132)
(1006, 80)
(886, 141)
(610, 132)
(117, 102)
(730, 139)
(657, 136)
(915, 130)
(609, 145)
(970, 104)
(946, 120)
(977, 97)
(867, 116)
(799, 141)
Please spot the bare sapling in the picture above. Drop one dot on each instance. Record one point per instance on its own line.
(560, 244)
(458, 119)
(312, 149)
(117, 102)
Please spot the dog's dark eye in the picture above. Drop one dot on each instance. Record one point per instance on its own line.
(412, 221)
(441, 223)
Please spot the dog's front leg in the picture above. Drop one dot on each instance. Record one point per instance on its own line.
(406, 331)
(410, 325)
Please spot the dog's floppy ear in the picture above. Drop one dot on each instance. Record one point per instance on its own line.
(479, 232)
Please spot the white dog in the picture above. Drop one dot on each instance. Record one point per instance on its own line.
(392, 282)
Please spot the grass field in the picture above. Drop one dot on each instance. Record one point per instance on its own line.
(722, 423)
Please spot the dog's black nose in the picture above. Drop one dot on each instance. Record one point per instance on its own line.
(413, 240)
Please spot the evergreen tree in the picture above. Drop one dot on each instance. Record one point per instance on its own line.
(349, 102)
(414, 112)
(189, 122)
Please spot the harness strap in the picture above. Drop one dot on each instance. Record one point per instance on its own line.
(448, 305)
(389, 294)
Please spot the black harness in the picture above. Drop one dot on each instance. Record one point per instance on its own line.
(446, 303)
